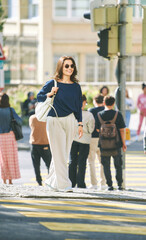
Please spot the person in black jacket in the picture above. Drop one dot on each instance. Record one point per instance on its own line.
(29, 104)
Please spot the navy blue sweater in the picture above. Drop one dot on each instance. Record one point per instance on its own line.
(68, 99)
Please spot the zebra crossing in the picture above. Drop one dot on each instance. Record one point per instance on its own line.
(73, 217)
(135, 171)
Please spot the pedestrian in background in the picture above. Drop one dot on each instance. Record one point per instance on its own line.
(61, 130)
(39, 146)
(95, 150)
(8, 146)
(129, 108)
(104, 91)
(107, 115)
(141, 104)
(29, 104)
(80, 149)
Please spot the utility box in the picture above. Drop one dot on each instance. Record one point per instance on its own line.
(129, 18)
(98, 20)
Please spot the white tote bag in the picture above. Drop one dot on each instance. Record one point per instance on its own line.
(42, 108)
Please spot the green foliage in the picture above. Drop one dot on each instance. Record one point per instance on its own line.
(90, 93)
(18, 94)
(2, 17)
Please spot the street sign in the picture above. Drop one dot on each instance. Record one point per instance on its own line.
(2, 57)
(1, 64)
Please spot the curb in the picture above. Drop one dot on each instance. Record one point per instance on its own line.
(20, 191)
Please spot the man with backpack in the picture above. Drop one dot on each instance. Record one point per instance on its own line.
(110, 124)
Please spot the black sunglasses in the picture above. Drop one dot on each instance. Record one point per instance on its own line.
(67, 66)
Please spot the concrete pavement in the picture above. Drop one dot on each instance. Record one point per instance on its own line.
(45, 192)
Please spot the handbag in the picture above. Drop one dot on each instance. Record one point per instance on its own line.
(16, 127)
(42, 108)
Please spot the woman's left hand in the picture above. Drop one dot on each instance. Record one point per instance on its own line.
(80, 131)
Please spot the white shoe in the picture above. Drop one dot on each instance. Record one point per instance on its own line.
(92, 187)
(103, 187)
(68, 189)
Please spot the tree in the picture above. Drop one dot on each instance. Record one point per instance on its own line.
(2, 17)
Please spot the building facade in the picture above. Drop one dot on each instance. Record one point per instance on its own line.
(38, 32)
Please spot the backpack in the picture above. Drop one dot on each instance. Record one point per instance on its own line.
(108, 134)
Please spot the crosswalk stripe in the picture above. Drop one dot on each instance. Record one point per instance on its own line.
(83, 216)
(122, 208)
(78, 208)
(80, 227)
(82, 203)
(97, 210)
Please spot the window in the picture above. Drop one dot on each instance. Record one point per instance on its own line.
(143, 2)
(96, 68)
(128, 69)
(137, 9)
(79, 7)
(61, 8)
(12, 8)
(135, 69)
(70, 8)
(139, 69)
(28, 61)
(132, 2)
(33, 8)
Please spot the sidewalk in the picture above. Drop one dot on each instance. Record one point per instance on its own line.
(44, 192)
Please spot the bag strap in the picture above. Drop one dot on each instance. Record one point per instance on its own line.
(12, 117)
(115, 117)
(55, 83)
(100, 119)
(112, 121)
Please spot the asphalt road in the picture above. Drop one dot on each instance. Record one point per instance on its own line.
(35, 219)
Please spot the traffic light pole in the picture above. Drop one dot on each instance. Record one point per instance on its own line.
(122, 65)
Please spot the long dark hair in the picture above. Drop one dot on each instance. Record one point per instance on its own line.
(4, 100)
(59, 73)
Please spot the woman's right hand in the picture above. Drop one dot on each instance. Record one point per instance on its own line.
(53, 91)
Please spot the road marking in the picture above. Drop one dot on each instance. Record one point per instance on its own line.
(62, 214)
(120, 205)
(76, 227)
(73, 208)
(97, 210)
(65, 215)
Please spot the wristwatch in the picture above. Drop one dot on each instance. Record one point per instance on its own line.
(80, 125)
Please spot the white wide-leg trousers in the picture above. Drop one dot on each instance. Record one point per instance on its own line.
(61, 132)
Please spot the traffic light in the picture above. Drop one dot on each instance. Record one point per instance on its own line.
(108, 42)
(144, 32)
(103, 43)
